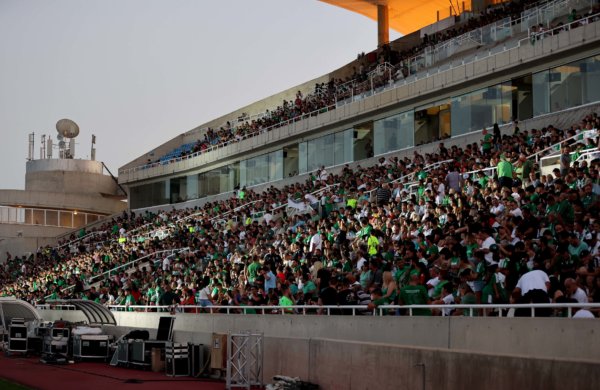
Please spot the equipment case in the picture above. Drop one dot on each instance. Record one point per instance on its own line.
(176, 359)
(91, 346)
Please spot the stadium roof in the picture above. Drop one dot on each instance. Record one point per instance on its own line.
(405, 16)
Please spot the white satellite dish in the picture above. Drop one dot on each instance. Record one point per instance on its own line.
(67, 128)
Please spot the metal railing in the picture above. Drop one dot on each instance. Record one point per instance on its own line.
(87, 236)
(402, 310)
(132, 263)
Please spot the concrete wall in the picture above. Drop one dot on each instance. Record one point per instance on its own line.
(70, 176)
(337, 364)
(19, 239)
(382, 352)
(528, 337)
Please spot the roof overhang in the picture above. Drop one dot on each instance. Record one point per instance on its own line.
(406, 16)
(95, 313)
(15, 308)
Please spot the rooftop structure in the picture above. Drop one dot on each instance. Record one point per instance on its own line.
(61, 193)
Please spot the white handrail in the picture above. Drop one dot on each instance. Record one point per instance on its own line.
(336, 309)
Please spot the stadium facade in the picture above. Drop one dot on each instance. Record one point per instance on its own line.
(501, 72)
(446, 93)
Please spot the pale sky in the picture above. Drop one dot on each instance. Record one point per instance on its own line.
(139, 72)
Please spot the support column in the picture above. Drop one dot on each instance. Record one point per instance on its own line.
(383, 25)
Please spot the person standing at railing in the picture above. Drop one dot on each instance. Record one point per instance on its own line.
(286, 300)
(415, 294)
(565, 160)
(504, 170)
(533, 287)
(496, 137)
(486, 142)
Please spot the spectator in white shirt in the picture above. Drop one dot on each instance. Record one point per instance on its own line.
(574, 291)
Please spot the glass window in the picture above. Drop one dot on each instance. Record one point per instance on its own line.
(541, 93)
(393, 133)
(433, 122)
(290, 161)
(29, 216)
(66, 219)
(78, 220)
(342, 149)
(243, 173)
(303, 157)
(482, 108)
(363, 141)
(276, 165)
(191, 187)
(590, 79)
(39, 217)
(51, 217)
(522, 97)
(565, 86)
(311, 156)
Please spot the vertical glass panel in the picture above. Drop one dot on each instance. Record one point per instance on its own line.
(262, 169)
(175, 190)
(78, 220)
(214, 182)
(338, 148)
(51, 218)
(276, 165)
(590, 79)
(326, 150)
(363, 141)
(20, 215)
(565, 86)
(234, 175)
(66, 218)
(92, 218)
(407, 130)
(312, 162)
(243, 173)
(504, 109)
(433, 122)
(445, 123)
(522, 98)
(393, 133)
(167, 189)
(303, 157)
(348, 145)
(541, 93)
(29, 216)
(191, 187)
(39, 217)
(290, 161)
(225, 179)
(385, 135)
(461, 114)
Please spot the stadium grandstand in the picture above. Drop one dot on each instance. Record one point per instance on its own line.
(376, 222)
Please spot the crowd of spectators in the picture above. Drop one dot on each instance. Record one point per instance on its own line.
(416, 230)
(325, 95)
